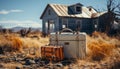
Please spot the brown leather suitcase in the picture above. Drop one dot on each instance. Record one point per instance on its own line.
(52, 53)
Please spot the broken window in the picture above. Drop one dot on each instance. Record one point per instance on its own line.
(52, 26)
(64, 23)
(78, 9)
(78, 24)
(95, 22)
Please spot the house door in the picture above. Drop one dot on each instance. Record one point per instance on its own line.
(95, 22)
(78, 25)
(50, 26)
(64, 23)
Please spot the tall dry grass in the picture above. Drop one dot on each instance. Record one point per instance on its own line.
(10, 43)
(99, 45)
(33, 46)
(31, 42)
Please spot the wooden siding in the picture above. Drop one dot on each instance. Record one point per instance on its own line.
(56, 14)
(46, 18)
(87, 25)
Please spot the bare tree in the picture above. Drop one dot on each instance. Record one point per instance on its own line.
(113, 8)
(25, 32)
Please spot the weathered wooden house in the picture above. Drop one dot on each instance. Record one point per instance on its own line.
(76, 17)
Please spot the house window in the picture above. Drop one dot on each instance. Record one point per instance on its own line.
(46, 27)
(78, 9)
(49, 12)
(64, 23)
(50, 26)
(78, 24)
(95, 22)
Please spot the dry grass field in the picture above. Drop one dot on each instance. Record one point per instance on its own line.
(103, 52)
(17, 43)
(100, 45)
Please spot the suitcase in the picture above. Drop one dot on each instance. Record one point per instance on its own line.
(74, 43)
(52, 53)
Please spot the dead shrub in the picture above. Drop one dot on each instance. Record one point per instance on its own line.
(11, 43)
(17, 43)
(100, 45)
(99, 49)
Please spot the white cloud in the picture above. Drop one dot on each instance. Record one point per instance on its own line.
(10, 11)
(17, 22)
(4, 12)
(26, 23)
(16, 10)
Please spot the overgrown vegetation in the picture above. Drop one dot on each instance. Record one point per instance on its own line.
(100, 45)
(25, 32)
(100, 48)
(10, 43)
(13, 43)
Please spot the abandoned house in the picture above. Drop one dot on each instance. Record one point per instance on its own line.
(77, 17)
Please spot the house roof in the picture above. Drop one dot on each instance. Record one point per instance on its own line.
(94, 15)
(62, 10)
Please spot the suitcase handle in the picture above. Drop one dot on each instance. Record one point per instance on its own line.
(67, 29)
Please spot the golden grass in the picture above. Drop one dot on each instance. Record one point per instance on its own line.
(100, 45)
(10, 43)
(11, 65)
(29, 42)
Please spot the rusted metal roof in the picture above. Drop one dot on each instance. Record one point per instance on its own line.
(62, 10)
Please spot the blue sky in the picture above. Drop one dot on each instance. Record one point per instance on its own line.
(26, 13)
